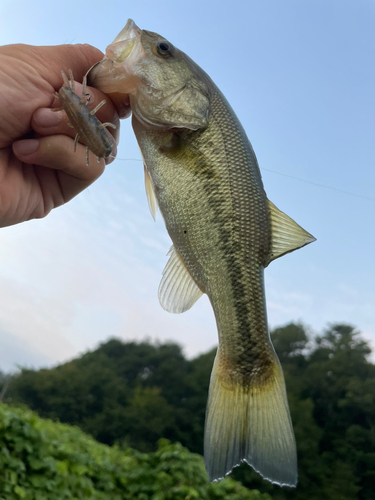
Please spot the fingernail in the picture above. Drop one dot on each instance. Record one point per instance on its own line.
(26, 147)
(45, 117)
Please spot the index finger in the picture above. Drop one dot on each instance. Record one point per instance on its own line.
(49, 61)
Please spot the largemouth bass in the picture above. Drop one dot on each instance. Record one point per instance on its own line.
(202, 172)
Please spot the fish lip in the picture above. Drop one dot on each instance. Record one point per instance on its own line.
(124, 42)
(87, 75)
(95, 72)
(114, 63)
(130, 31)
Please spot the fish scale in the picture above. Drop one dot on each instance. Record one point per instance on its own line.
(249, 239)
(202, 172)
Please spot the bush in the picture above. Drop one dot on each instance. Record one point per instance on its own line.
(44, 460)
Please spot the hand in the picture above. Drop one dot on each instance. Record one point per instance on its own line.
(39, 170)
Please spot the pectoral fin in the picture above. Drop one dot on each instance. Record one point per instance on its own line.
(177, 291)
(286, 234)
(151, 198)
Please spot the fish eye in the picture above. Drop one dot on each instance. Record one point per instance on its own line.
(164, 48)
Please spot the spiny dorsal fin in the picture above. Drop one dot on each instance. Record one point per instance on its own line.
(286, 234)
(152, 203)
(177, 291)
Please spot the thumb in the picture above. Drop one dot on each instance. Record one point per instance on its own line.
(78, 57)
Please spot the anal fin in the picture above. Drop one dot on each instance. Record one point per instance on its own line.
(178, 292)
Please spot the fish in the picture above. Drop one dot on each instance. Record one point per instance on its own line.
(83, 120)
(202, 173)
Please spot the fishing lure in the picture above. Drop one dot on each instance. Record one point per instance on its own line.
(89, 129)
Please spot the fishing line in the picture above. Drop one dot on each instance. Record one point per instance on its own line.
(319, 185)
(332, 188)
(123, 159)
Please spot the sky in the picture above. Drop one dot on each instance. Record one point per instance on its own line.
(301, 77)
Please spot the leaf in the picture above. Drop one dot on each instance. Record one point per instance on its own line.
(36, 464)
(62, 467)
(19, 491)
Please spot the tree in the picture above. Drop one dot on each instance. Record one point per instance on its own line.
(135, 393)
(131, 393)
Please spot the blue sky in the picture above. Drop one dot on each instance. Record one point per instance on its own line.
(300, 76)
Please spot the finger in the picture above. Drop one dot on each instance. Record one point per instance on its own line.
(54, 155)
(78, 58)
(50, 60)
(47, 122)
(56, 152)
(121, 103)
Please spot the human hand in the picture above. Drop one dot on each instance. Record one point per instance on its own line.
(39, 170)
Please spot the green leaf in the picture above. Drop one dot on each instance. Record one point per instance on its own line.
(19, 491)
(36, 464)
(62, 467)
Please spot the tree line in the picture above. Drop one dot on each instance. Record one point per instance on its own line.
(133, 394)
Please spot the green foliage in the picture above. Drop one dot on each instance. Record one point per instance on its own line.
(102, 392)
(133, 394)
(42, 460)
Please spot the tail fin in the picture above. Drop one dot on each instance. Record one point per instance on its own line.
(250, 424)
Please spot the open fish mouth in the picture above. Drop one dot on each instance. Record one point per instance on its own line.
(123, 44)
(110, 74)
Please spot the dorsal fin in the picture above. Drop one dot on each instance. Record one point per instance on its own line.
(151, 198)
(286, 234)
(177, 291)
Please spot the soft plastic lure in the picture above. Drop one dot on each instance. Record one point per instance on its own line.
(90, 130)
